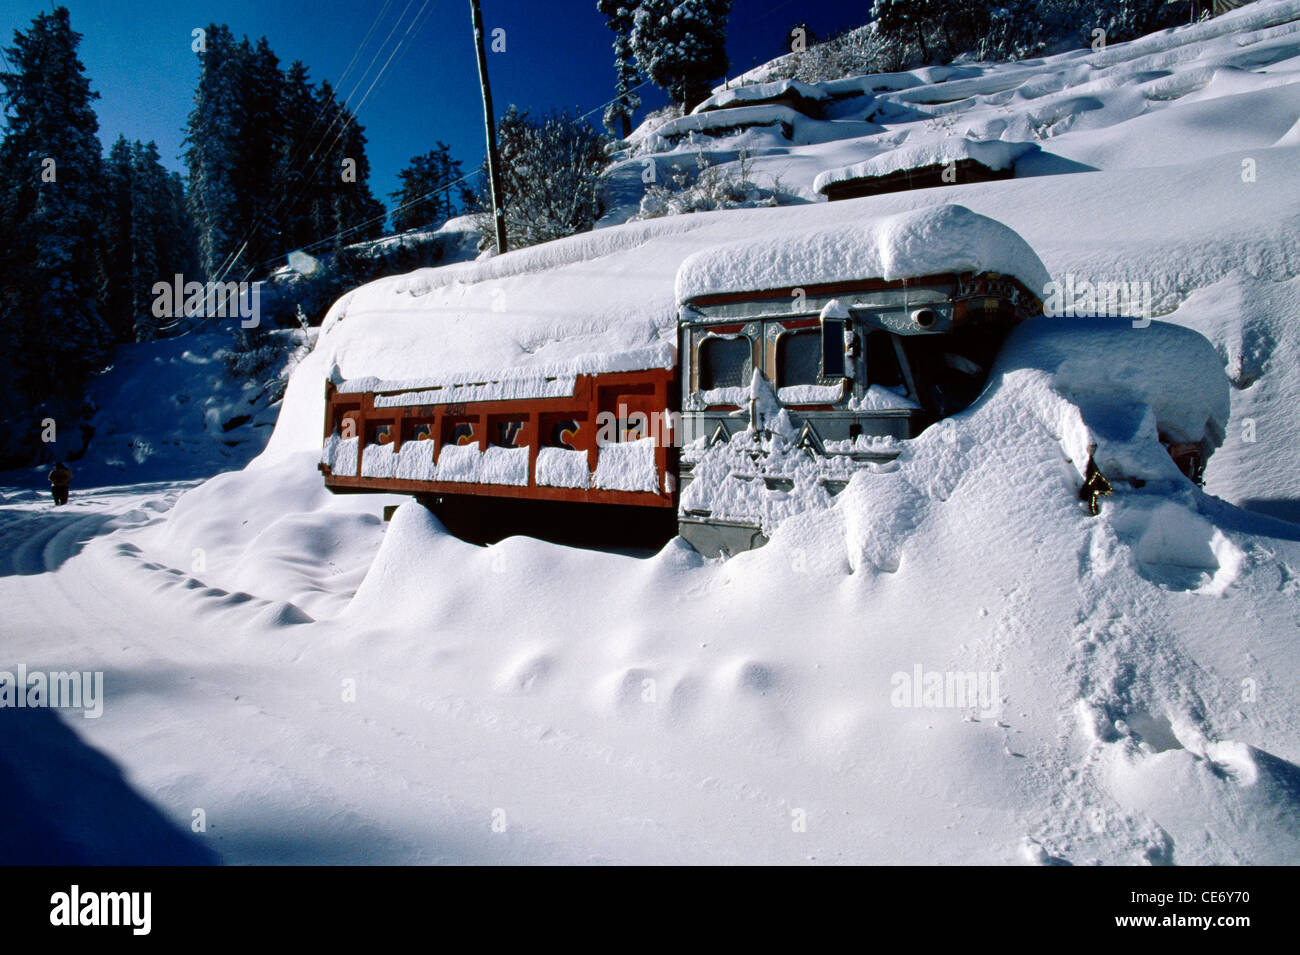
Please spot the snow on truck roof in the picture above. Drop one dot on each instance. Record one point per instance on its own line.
(947, 238)
(607, 301)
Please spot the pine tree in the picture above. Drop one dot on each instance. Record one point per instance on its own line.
(304, 132)
(50, 217)
(619, 17)
(340, 203)
(147, 238)
(257, 175)
(346, 202)
(425, 197)
(181, 239)
(907, 20)
(275, 163)
(162, 242)
(115, 300)
(213, 133)
(681, 46)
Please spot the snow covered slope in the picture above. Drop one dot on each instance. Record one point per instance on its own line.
(956, 663)
(1213, 88)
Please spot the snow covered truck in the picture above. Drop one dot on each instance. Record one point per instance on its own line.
(795, 361)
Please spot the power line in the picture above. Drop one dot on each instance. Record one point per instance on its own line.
(342, 117)
(442, 187)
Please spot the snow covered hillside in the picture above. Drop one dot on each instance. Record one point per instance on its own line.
(956, 663)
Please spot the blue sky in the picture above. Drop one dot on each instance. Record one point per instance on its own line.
(137, 55)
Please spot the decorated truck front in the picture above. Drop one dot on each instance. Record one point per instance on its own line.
(787, 391)
(811, 357)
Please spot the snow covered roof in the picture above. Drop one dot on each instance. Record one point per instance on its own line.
(718, 122)
(994, 154)
(762, 93)
(947, 238)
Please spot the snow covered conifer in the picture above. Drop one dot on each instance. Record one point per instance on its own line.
(161, 236)
(425, 196)
(619, 17)
(258, 156)
(681, 46)
(50, 219)
(303, 132)
(215, 125)
(907, 20)
(115, 298)
(551, 175)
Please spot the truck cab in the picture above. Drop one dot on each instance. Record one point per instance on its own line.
(786, 392)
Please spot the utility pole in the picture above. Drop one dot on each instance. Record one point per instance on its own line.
(493, 158)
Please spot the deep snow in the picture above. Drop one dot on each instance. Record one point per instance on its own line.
(330, 688)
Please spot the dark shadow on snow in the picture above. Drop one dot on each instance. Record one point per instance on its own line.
(1250, 517)
(35, 544)
(1280, 508)
(63, 802)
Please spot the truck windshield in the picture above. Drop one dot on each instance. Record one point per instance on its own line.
(798, 355)
(724, 363)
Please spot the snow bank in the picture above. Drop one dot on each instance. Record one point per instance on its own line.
(782, 119)
(271, 531)
(1124, 387)
(1097, 642)
(946, 238)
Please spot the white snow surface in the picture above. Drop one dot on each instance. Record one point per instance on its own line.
(562, 467)
(333, 689)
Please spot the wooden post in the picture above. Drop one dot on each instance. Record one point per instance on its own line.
(493, 158)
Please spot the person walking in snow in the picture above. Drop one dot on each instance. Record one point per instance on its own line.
(60, 478)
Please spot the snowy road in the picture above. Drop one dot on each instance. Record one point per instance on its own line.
(193, 731)
(208, 708)
(226, 702)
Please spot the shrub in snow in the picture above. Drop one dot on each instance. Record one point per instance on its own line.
(852, 53)
(265, 358)
(550, 172)
(908, 33)
(707, 187)
(291, 299)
